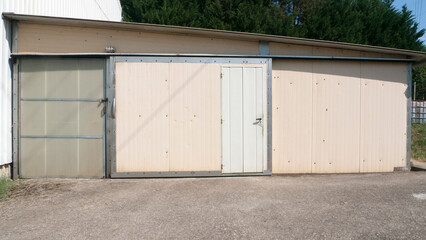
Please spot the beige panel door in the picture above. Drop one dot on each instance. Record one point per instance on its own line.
(61, 119)
(292, 116)
(167, 117)
(336, 117)
(383, 116)
(142, 117)
(195, 117)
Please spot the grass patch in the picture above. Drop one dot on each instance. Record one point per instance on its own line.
(6, 186)
(418, 142)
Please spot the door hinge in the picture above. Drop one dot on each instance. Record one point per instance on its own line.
(221, 166)
(221, 75)
(221, 121)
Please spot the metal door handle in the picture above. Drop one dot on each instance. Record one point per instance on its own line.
(103, 100)
(113, 108)
(258, 122)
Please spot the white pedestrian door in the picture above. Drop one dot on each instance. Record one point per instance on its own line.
(242, 119)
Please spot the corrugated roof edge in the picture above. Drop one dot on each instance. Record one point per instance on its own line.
(417, 55)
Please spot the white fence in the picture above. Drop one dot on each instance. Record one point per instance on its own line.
(418, 112)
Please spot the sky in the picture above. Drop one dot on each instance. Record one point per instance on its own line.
(418, 7)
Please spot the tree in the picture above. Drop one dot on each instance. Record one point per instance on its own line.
(419, 77)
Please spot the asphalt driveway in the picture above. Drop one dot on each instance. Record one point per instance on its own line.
(354, 206)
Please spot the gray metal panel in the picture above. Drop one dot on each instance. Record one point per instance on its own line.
(104, 153)
(61, 99)
(17, 117)
(269, 112)
(212, 59)
(155, 55)
(409, 109)
(15, 120)
(263, 48)
(72, 137)
(15, 104)
(183, 174)
(111, 122)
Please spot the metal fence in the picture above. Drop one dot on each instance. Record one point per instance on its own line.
(418, 113)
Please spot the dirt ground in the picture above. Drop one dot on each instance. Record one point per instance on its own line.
(352, 206)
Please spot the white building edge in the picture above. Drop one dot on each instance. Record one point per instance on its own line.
(85, 9)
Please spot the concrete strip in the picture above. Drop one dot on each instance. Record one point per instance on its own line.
(418, 164)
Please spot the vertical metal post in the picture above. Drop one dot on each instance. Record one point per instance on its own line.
(409, 108)
(414, 92)
(269, 111)
(15, 102)
(110, 122)
(15, 120)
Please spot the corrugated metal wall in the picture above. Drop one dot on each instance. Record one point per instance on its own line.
(86, 9)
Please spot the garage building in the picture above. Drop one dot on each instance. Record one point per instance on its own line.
(112, 99)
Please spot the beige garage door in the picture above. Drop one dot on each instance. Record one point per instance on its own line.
(168, 117)
(62, 122)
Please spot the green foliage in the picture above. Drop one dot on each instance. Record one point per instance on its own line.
(236, 15)
(6, 185)
(418, 141)
(419, 77)
(373, 22)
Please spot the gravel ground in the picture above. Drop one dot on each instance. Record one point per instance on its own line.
(353, 206)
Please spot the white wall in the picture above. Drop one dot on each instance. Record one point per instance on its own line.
(87, 9)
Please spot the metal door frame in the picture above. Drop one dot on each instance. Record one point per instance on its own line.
(111, 121)
(16, 114)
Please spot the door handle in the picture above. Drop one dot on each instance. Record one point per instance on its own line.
(258, 121)
(113, 108)
(103, 100)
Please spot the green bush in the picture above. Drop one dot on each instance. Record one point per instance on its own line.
(418, 141)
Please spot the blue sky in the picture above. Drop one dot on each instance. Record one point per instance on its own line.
(418, 7)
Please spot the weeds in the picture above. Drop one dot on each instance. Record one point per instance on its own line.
(418, 142)
(6, 186)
